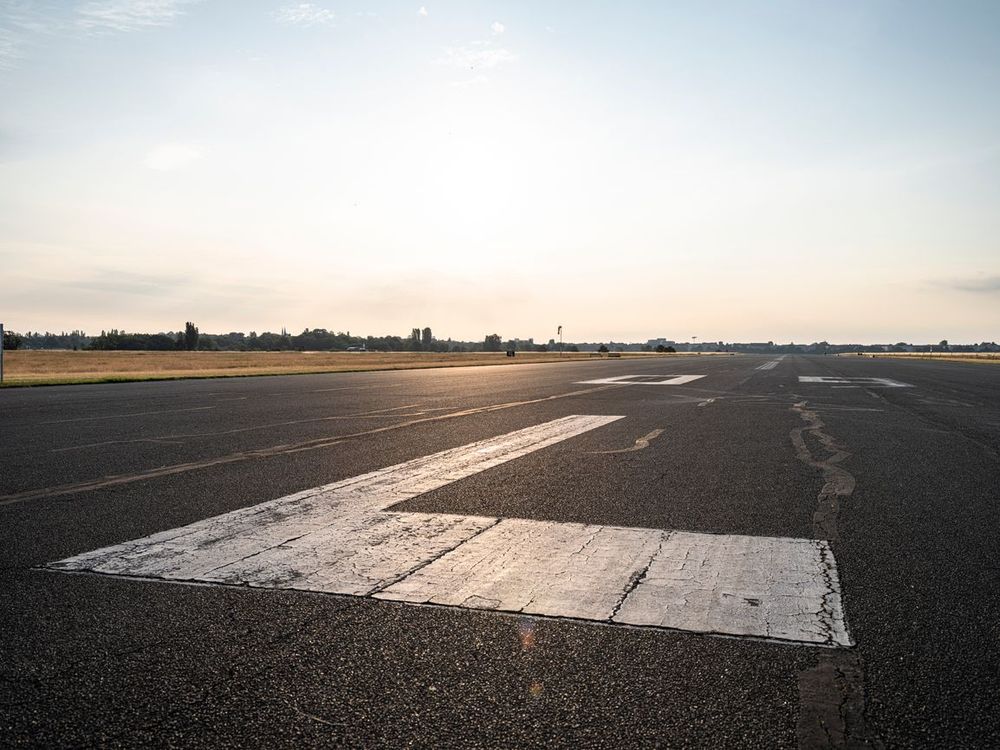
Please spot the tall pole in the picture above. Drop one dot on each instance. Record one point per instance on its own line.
(560, 341)
(1, 352)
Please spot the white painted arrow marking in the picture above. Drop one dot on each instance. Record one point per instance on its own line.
(341, 539)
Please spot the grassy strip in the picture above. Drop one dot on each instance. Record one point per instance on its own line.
(981, 358)
(43, 368)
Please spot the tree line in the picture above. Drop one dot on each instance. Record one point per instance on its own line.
(420, 339)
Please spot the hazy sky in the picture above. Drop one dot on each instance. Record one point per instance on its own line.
(736, 171)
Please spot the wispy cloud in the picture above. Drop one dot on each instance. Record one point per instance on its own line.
(980, 284)
(478, 55)
(422, 11)
(22, 24)
(10, 51)
(168, 157)
(25, 24)
(26, 16)
(497, 28)
(129, 15)
(305, 14)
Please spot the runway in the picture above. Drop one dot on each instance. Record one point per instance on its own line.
(701, 550)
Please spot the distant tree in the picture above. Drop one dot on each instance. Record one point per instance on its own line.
(12, 340)
(190, 336)
(944, 344)
(602, 349)
(492, 343)
(660, 349)
(415, 344)
(115, 340)
(426, 338)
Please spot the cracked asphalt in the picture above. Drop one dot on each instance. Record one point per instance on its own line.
(87, 660)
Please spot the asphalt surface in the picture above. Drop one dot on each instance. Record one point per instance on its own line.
(91, 660)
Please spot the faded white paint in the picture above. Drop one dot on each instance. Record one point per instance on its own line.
(774, 587)
(340, 538)
(338, 529)
(855, 382)
(632, 380)
(536, 567)
(769, 365)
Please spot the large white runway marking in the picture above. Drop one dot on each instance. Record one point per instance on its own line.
(769, 587)
(340, 538)
(644, 380)
(336, 525)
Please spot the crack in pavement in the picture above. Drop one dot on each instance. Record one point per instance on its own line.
(839, 482)
(638, 577)
(386, 584)
(831, 693)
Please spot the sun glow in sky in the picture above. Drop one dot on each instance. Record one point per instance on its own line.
(736, 171)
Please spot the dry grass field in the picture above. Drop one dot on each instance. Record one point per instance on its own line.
(59, 367)
(947, 356)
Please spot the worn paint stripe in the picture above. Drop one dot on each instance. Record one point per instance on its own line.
(774, 587)
(853, 382)
(339, 524)
(767, 587)
(535, 567)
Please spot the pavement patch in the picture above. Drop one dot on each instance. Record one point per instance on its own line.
(640, 443)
